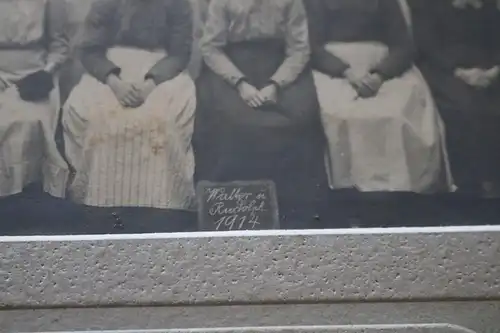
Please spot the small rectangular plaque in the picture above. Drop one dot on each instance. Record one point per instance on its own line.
(241, 205)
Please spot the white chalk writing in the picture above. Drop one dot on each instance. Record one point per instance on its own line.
(236, 208)
(220, 194)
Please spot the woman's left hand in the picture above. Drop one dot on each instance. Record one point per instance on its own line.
(477, 77)
(145, 88)
(269, 94)
(370, 85)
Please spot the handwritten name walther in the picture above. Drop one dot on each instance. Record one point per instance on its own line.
(236, 209)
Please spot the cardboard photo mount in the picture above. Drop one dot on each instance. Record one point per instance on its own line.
(411, 280)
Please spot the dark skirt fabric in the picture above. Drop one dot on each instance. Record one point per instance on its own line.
(283, 143)
(472, 120)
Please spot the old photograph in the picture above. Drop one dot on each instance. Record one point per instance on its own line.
(139, 116)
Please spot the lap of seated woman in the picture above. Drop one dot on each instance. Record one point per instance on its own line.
(128, 123)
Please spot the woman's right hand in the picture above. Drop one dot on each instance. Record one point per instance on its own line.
(355, 78)
(370, 85)
(250, 95)
(477, 77)
(126, 94)
(357, 81)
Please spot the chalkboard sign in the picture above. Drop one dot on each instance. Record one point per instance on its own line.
(249, 205)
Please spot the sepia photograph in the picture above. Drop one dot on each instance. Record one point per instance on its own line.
(152, 116)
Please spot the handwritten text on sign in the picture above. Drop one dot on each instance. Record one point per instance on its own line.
(237, 206)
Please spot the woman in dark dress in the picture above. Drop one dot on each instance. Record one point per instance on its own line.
(128, 123)
(459, 54)
(385, 136)
(370, 95)
(257, 115)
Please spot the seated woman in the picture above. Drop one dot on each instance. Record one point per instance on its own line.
(383, 131)
(33, 45)
(128, 123)
(459, 54)
(257, 115)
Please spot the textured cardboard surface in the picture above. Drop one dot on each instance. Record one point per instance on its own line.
(220, 268)
(426, 328)
(369, 277)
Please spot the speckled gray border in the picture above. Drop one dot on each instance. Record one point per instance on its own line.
(253, 267)
(408, 328)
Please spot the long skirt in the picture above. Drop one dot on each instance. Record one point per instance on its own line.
(391, 142)
(28, 151)
(472, 119)
(131, 157)
(283, 143)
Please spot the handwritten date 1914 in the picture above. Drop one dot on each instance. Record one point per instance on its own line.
(237, 222)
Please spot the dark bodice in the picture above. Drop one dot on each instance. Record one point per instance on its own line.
(147, 24)
(450, 37)
(359, 20)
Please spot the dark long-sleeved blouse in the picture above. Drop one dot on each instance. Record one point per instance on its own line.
(147, 24)
(359, 20)
(448, 37)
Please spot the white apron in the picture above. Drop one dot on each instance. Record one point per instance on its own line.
(28, 150)
(391, 142)
(131, 157)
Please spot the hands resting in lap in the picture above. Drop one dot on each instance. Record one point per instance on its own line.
(477, 77)
(366, 84)
(256, 98)
(131, 95)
